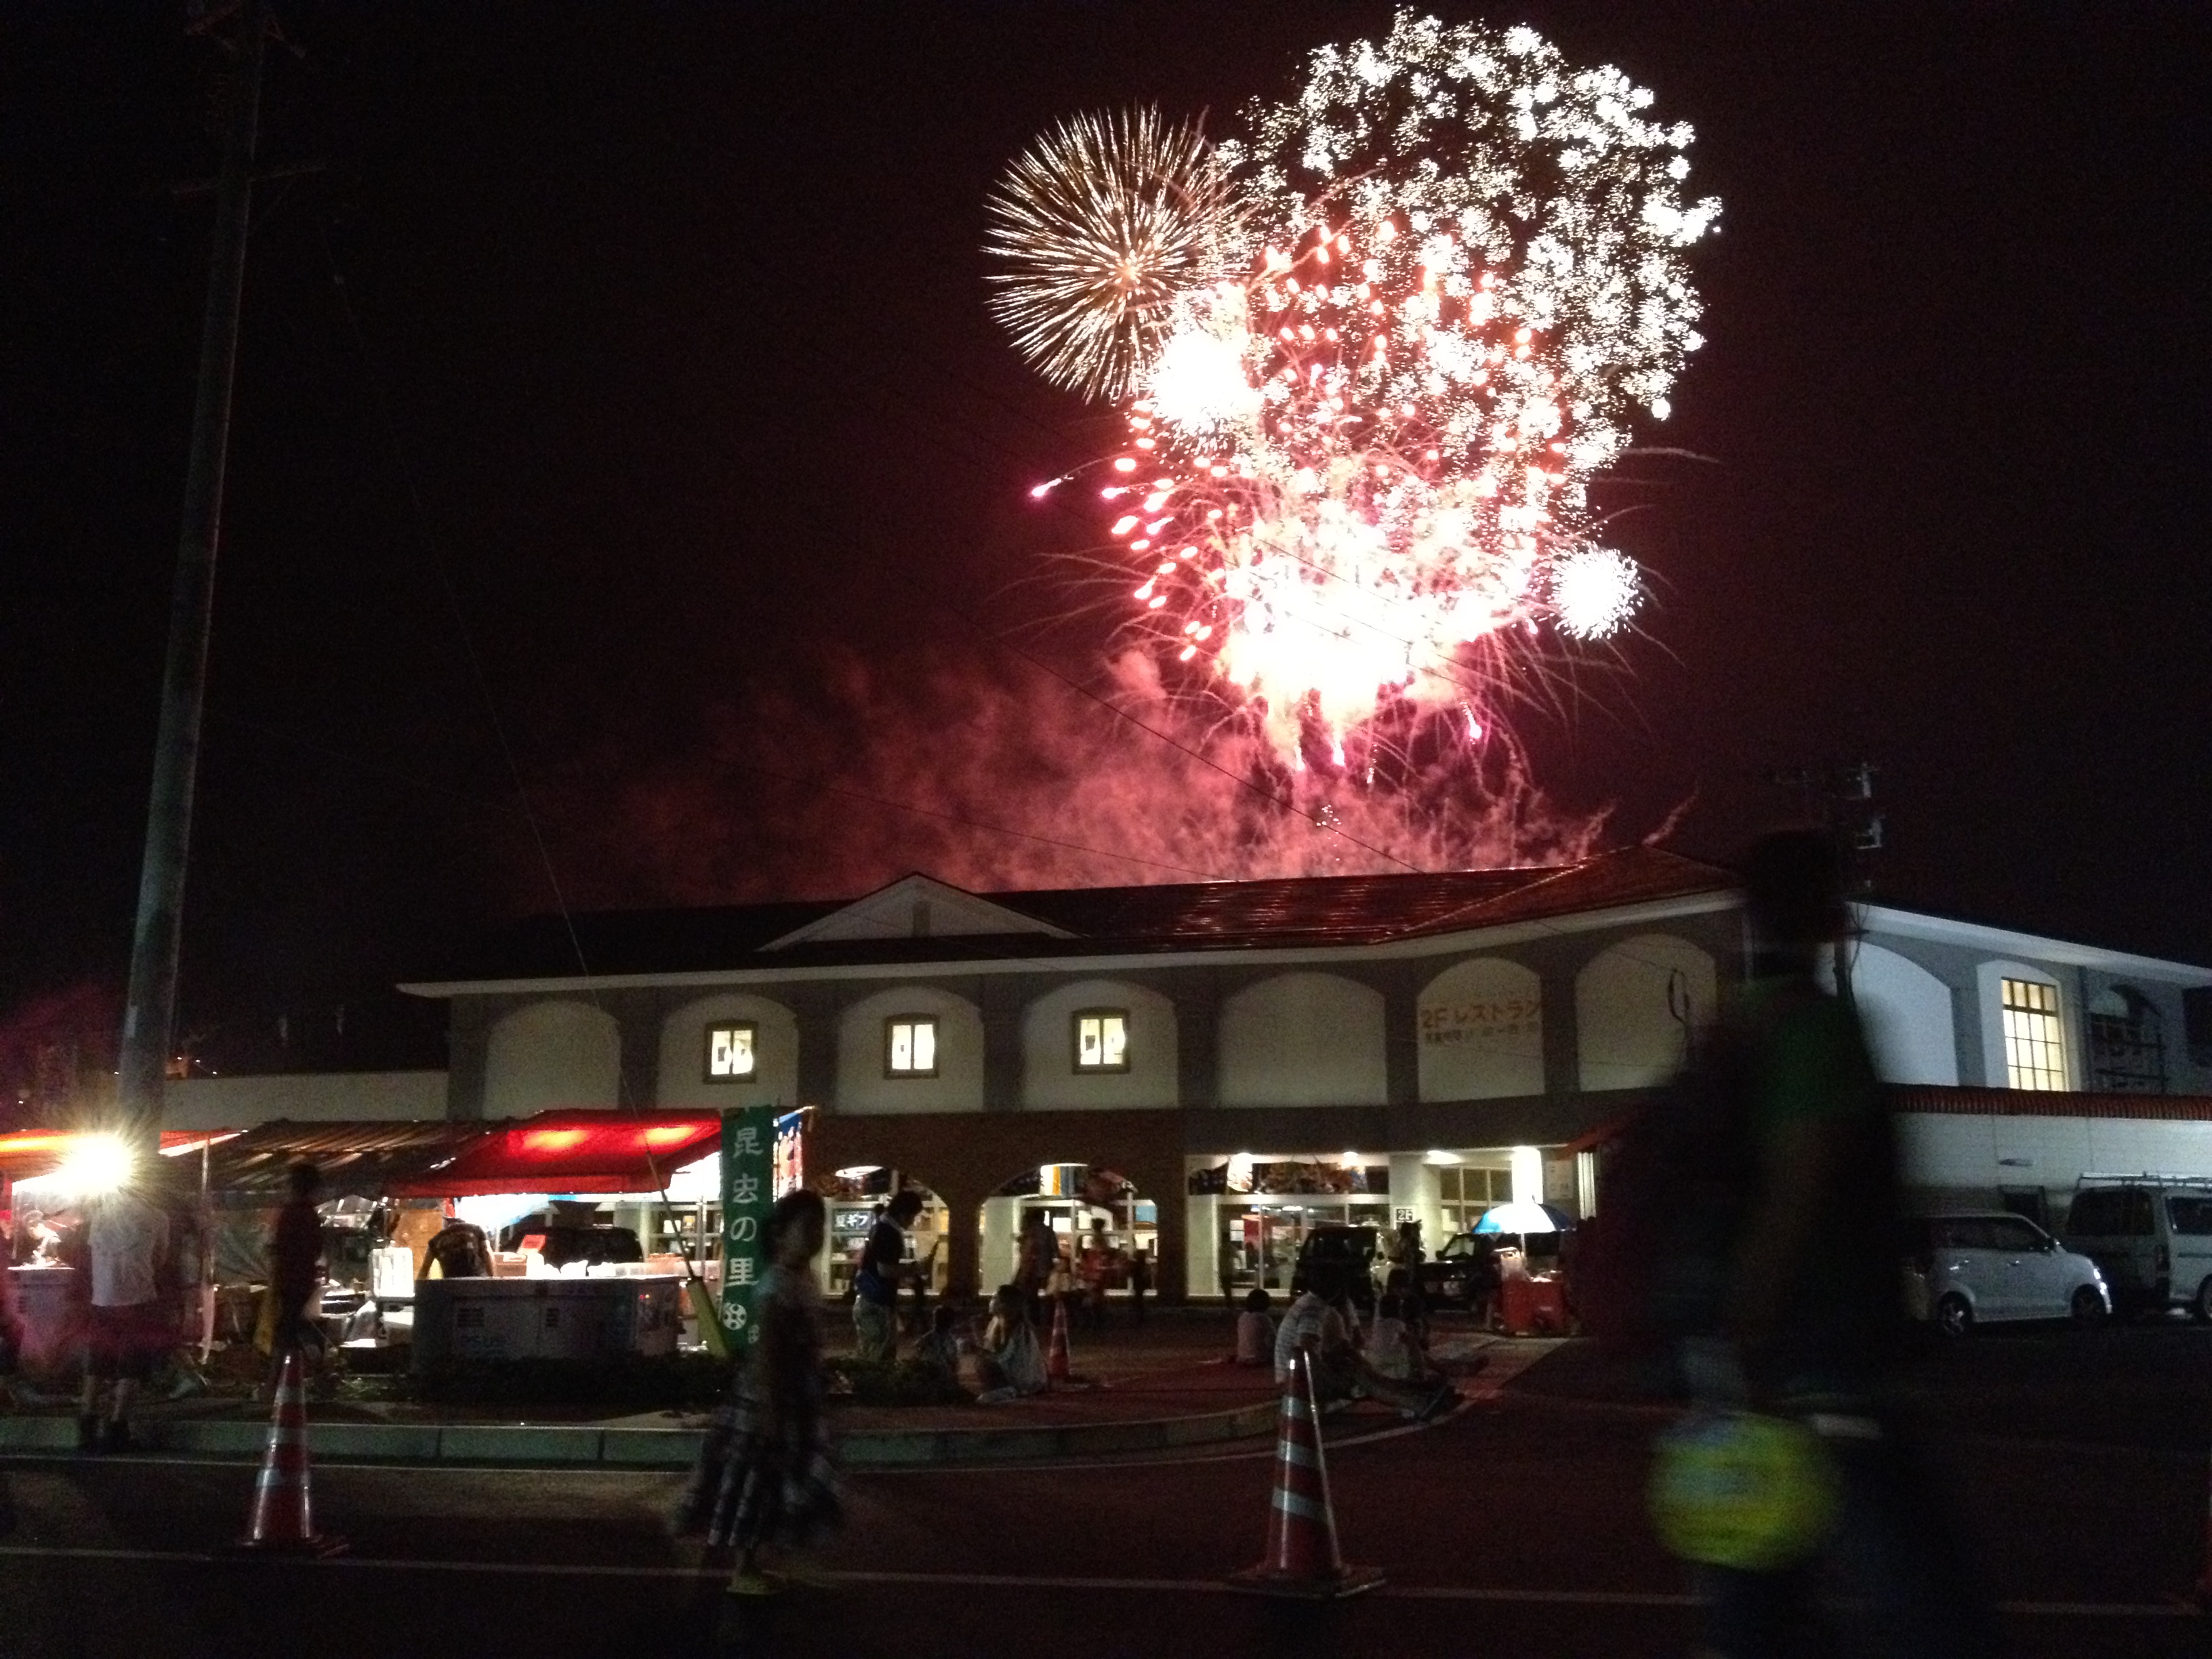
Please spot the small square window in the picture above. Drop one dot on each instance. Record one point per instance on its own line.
(1102, 1039)
(732, 1054)
(910, 1046)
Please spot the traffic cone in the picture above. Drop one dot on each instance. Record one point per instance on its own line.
(1055, 1359)
(1302, 1559)
(281, 1521)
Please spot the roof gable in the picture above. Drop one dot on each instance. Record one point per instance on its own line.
(915, 907)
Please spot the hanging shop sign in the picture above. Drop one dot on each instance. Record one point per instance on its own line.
(790, 1152)
(749, 1137)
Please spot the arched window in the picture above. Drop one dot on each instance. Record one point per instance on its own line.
(2127, 1042)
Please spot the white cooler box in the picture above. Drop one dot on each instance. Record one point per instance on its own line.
(545, 1318)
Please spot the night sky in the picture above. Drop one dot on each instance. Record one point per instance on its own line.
(656, 449)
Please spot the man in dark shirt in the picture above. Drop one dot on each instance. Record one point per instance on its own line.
(875, 1287)
(295, 1254)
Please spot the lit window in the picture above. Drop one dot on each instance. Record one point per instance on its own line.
(910, 1046)
(1102, 1039)
(731, 1057)
(2035, 1042)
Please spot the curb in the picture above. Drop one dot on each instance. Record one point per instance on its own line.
(570, 1446)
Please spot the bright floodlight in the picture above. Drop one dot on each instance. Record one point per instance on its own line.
(96, 1165)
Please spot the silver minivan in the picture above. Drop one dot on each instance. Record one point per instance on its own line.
(2150, 1236)
(1993, 1267)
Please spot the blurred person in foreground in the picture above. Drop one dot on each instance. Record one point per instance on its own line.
(1800, 1191)
(764, 1476)
(127, 1324)
(295, 1263)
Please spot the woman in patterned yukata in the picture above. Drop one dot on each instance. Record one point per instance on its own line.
(764, 1477)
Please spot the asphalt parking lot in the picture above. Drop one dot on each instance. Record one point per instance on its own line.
(1512, 1527)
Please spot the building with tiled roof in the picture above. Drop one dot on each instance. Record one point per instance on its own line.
(1209, 1070)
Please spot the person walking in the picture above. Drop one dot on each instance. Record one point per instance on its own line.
(876, 1285)
(296, 1265)
(764, 1478)
(1140, 1284)
(126, 1238)
(1800, 1175)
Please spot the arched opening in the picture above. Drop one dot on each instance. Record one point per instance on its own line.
(2127, 1042)
(859, 1196)
(1101, 1231)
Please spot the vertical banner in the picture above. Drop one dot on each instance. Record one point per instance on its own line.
(748, 1190)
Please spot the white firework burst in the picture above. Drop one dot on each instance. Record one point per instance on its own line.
(1097, 231)
(1593, 591)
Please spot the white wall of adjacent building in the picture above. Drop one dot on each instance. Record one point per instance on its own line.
(1635, 1005)
(1908, 1013)
(242, 1102)
(549, 1055)
(1956, 1153)
(1303, 1039)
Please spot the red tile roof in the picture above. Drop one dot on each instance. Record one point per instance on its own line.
(1290, 912)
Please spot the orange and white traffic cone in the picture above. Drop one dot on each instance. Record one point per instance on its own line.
(1055, 1359)
(1302, 1559)
(281, 1521)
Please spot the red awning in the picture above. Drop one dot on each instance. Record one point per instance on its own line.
(573, 1151)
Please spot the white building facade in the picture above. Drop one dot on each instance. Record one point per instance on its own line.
(1210, 1072)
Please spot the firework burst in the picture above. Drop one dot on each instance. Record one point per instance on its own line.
(1097, 230)
(1407, 316)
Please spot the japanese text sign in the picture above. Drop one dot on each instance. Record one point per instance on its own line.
(748, 1146)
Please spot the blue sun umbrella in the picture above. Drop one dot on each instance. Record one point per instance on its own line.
(1523, 1216)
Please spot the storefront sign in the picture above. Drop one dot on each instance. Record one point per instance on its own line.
(1484, 1022)
(790, 1152)
(749, 1137)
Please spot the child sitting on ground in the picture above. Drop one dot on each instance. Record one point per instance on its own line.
(1012, 1363)
(1255, 1332)
(1394, 1349)
(939, 1347)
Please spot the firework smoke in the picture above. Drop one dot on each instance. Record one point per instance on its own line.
(1406, 317)
(1004, 778)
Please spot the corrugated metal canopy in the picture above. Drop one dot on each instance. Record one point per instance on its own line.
(357, 1159)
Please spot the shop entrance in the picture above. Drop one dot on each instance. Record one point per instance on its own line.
(1097, 1222)
(858, 1197)
(1258, 1211)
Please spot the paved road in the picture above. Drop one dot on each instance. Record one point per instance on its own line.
(1510, 1529)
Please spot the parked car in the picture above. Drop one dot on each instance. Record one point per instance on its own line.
(1336, 1260)
(2150, 1236)
(1985, 1269)
(1463, 1273)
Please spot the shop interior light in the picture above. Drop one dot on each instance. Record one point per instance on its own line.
(1434, 1157)
(1350, 1160)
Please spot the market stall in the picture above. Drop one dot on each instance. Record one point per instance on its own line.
(47, 1177)
(570, 1204)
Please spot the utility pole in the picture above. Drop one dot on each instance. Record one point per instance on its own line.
(1840, 800)
(150, 1005)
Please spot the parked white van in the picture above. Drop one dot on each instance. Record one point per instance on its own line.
(2150, 1236)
